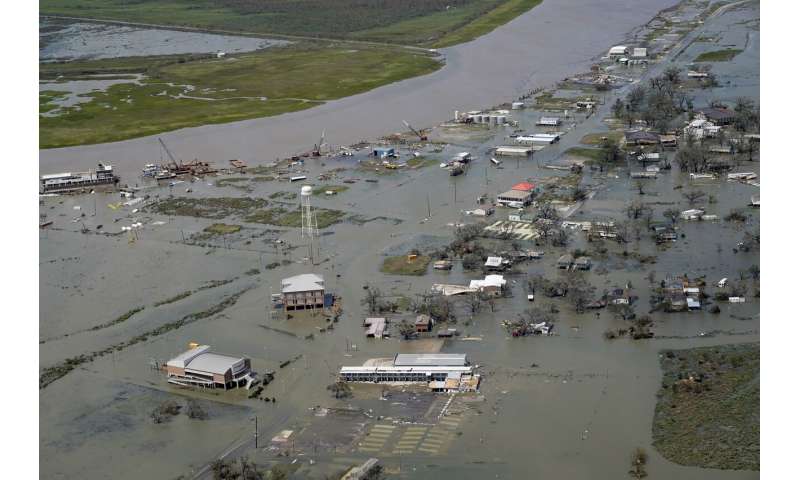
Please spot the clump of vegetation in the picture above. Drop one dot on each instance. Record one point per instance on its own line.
(195, 411)
(723, 55)
(243, 469)
(293, 218)
(235, 182)
(174, 299)
(222, 229)
(708, 407)
(340, 390)
(406, 265)
(164, 412)
(736, 215)
(125, 316)
(214, 207)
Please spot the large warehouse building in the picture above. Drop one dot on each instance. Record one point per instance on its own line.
(436, 369)
(201, 367)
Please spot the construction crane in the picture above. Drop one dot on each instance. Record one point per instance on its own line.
(174, 162)
(317, 148)
(419, 133)
(178, 167)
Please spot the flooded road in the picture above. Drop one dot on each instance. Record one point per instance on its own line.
(538, 48)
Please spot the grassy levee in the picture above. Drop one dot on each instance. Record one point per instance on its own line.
(259, 84)
(486, 23)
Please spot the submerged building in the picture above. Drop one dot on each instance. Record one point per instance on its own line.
(441, 371)
(200, 367)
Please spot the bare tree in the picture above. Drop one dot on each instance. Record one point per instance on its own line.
(694, 196)
(476, 302)
(372, 299)
(672, 215)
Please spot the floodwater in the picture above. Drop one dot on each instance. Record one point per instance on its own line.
(577, 414)
(538, 48)
(61, 41)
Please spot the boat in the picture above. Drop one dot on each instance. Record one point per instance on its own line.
(67, 182)
(164, 174)
(150, 170)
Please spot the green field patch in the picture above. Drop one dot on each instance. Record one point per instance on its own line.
(484, 24)
(222, 229)
(597, 138)
(707, 412)
(593, 154)
(214, 207)
(404, 22)
(179, 92)
(402, 265)
(723, 55)
(283, 217)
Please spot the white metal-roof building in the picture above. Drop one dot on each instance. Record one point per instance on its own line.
(303, 292)
(549, 121)
(512, 196)
(513, 151)
(410, 368)
(618, 50)
(199, 366)
(306, 282)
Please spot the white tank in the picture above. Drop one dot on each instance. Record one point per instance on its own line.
(306, 191)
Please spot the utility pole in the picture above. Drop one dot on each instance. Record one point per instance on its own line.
(256, 419)
(429, 205)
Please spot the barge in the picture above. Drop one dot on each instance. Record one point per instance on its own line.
(69, 182)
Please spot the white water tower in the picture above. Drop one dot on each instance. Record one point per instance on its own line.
(308, 226)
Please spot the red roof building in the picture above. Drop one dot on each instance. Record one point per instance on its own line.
(524, 187)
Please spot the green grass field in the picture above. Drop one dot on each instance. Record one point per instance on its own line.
(592, 154)
(724, 55)
(258, 84)
(400, 265)
(707, 414)
(436, 23)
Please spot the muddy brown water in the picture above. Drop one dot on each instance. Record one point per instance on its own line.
(578, 413)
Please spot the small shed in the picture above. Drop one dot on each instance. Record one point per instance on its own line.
(494, 263)
(565, 261)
